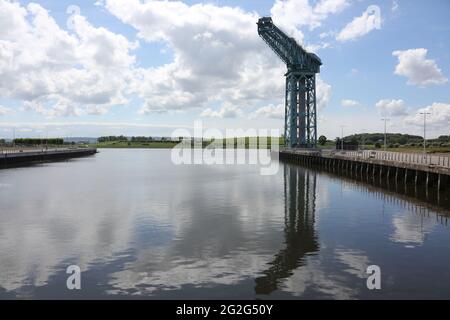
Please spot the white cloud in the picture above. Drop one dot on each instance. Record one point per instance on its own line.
(325, 7)
(292, 14)
(362, 25)
(392, 107)
(271, 111)
(324, 35)
(4, 111)
(438, 117)
(90, 123)
(218, 58)
(224, 60)
(58, 109)
(323, 93)
(301, 13)
(226, 111)
(350, 103)
(419, 70)
(218, 55)
(317, 46)
(57, 73)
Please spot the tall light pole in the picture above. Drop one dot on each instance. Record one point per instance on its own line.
(425, 132)
(385, 119)
(363, 139)
(14, 137)
(342, 137)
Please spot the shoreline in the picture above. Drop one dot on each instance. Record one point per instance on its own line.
(11, 159)
(165, 145)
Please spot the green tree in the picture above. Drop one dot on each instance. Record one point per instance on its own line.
(322, 140)
(403, 140)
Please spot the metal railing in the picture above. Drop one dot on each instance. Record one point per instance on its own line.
(43, 149)
(401, 157)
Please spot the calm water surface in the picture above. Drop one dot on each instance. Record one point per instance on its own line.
(141, 227)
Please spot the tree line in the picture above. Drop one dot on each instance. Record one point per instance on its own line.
(112, 139)
(392, 140)
(396, 140)
(132, 139)
(31, 141)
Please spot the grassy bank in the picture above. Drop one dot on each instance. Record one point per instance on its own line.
(249, 144)
(135, 145)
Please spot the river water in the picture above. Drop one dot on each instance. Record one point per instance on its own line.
(139, 226)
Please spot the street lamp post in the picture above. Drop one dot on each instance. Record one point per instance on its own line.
(342, 138)
(425, 133)
(385, 134)
(363, 139)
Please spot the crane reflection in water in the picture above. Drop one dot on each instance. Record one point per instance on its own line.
(299, 231)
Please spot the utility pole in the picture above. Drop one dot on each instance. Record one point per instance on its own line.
(385, 134)
(425, 133)
(14, 137)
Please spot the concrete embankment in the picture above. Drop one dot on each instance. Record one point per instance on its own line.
(21, 157)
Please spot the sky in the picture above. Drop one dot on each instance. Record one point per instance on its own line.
(135, 67)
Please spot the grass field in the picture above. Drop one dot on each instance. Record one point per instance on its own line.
(249, 143)
(135, 145)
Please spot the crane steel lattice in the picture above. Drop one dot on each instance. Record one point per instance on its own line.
(300, 127)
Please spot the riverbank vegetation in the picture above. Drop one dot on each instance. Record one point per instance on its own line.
(399, 142)
(165, 143)
(35, 142)
(367, 141)
(136, 145)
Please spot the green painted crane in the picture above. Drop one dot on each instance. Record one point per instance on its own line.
(300, 127)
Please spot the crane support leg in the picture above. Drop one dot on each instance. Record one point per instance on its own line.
(301, 121)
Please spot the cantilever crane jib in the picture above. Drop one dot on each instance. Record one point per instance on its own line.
(300, 114)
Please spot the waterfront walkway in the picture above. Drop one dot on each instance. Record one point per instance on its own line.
(440, 160)
(14, 150)
(417, 167)
(413, 159)
(11, 156)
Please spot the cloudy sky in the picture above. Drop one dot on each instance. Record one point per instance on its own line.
(135, 67)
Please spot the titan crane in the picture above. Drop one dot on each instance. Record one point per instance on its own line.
(300, 127)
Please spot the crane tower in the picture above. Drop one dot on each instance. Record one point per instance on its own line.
(300, 123)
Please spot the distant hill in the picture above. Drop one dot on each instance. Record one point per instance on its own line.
(396, 139)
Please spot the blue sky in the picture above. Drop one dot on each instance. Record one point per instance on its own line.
(150, 67)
